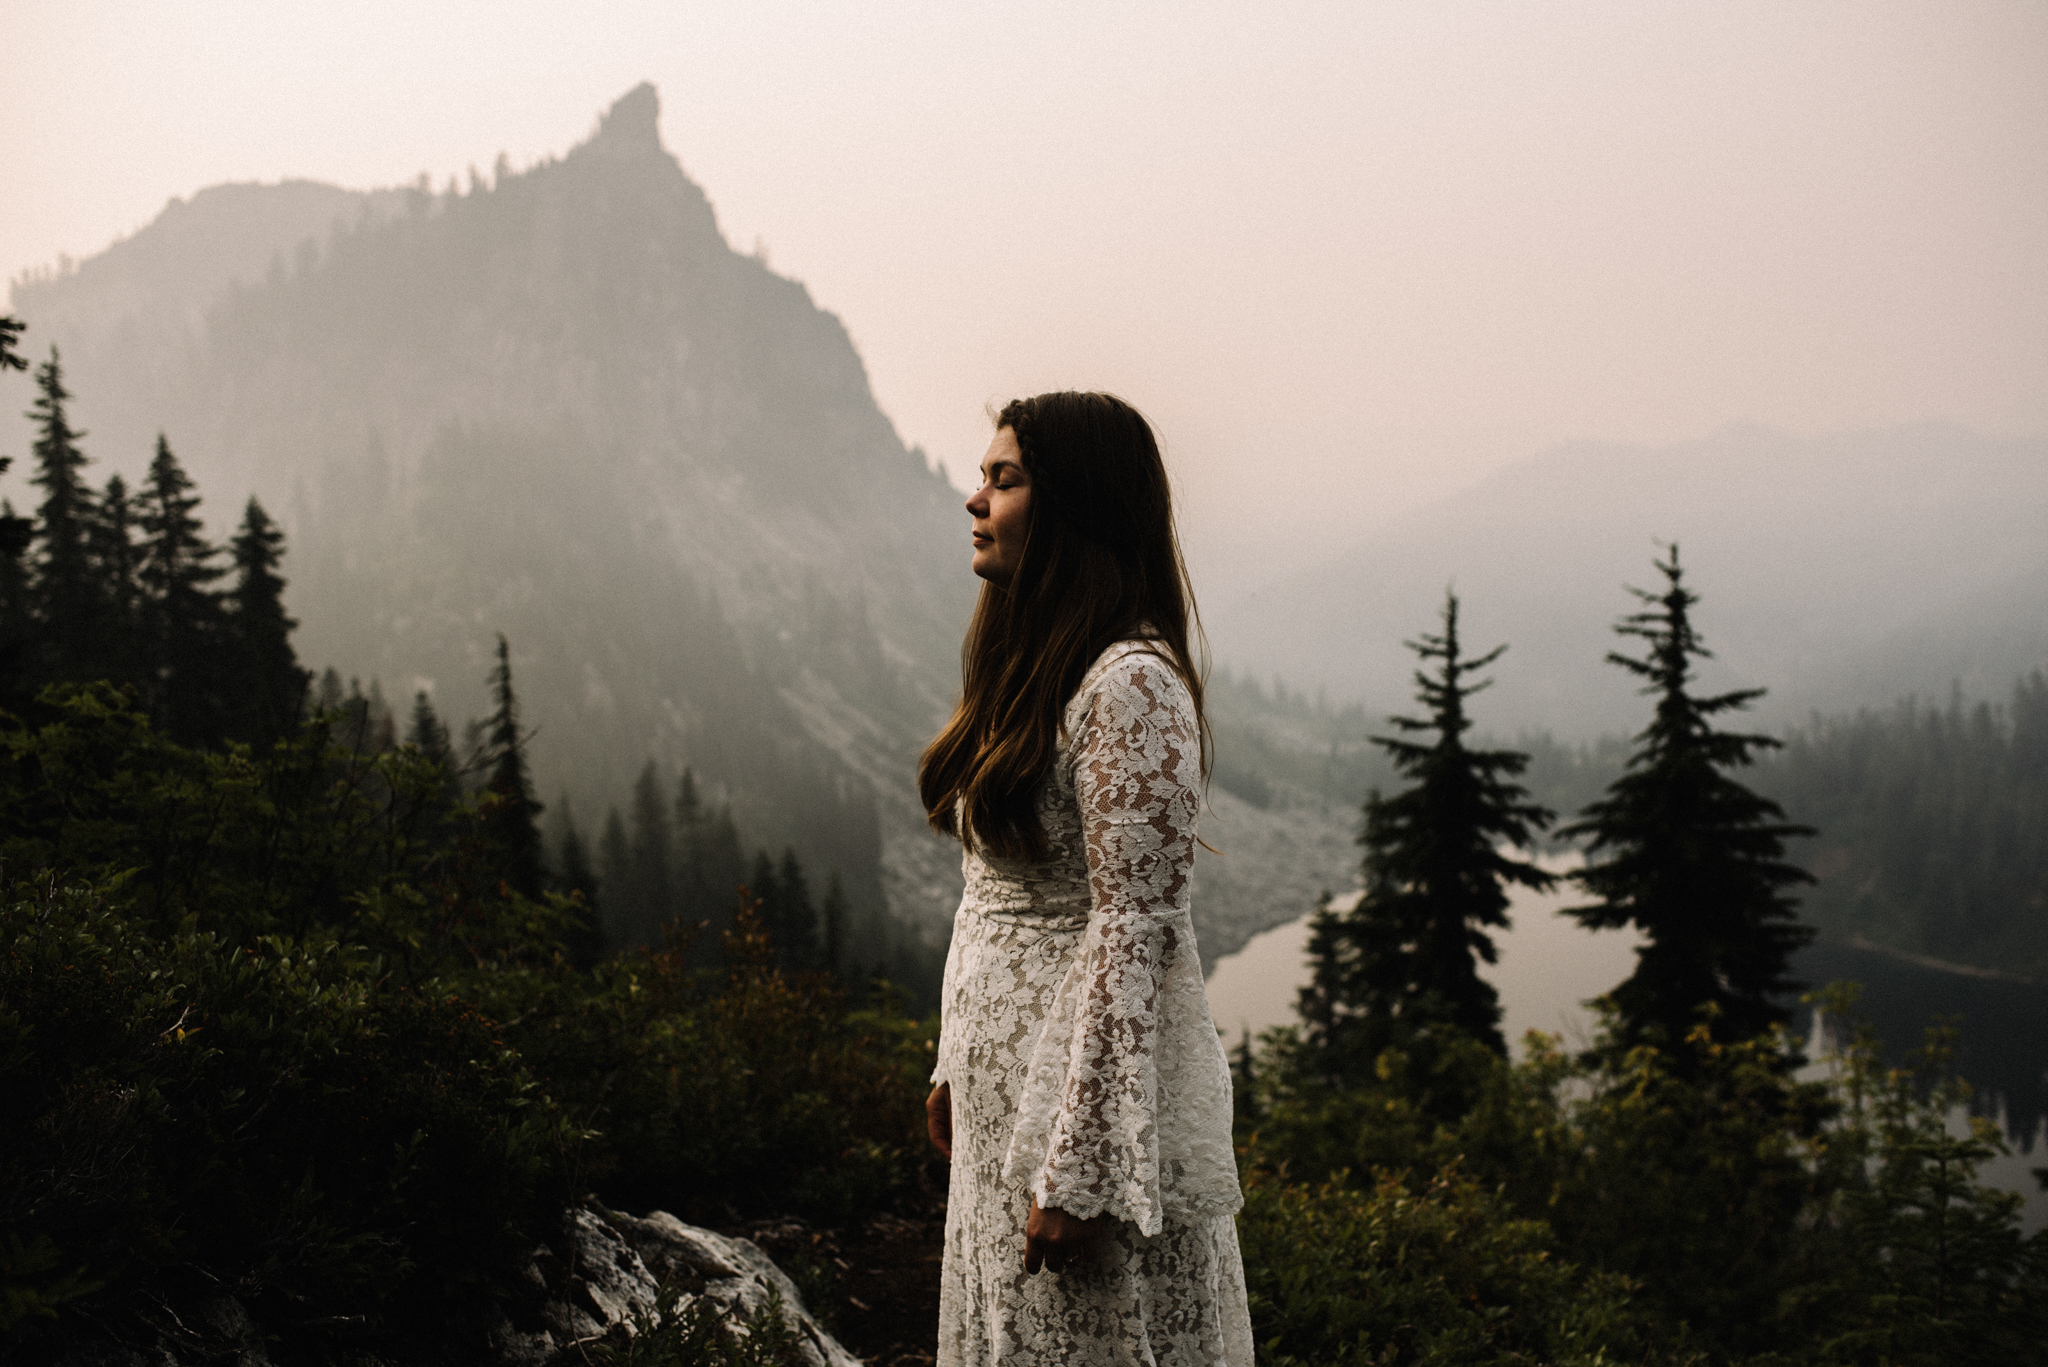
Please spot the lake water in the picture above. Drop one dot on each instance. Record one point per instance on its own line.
(1550, 965)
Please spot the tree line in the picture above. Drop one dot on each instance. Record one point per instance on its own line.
(108, 585)
(120, 585)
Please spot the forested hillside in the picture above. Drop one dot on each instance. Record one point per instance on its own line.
(556, 405)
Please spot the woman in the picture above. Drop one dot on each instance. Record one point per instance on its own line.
(1081, 1090)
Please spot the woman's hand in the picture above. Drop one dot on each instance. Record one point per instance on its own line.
(938, 1118)
(1057, 1241)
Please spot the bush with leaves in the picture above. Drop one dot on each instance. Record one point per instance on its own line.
(1756, 1217)
(1423, 1270)
(261, 1118)
(271, 1022)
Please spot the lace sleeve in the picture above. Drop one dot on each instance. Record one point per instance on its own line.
(1137, 763)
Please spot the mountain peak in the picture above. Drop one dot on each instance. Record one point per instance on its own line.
(632, 123)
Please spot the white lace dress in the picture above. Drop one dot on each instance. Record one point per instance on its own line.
(1085, 1069)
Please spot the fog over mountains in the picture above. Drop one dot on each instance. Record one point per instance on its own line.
(1838, 571)
(556, 403)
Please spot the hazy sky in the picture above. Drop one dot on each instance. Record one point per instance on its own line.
(1348, 256)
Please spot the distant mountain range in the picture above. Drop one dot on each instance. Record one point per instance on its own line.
(1837, 571)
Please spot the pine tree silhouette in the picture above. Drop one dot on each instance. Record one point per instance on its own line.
(69, 604)
(832, 913)
(1691, 858)
(762, 884)
(796, 921)
(11, 329)
(184, 624)
(573, 878)
(116, 560)
(614, 880)
(651, 887)
(1406, 958)
(17, 633)
(270, 688)
(510, 813)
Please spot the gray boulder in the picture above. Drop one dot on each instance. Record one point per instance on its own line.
(620, 1274)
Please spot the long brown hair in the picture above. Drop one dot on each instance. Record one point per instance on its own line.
(1100, 563)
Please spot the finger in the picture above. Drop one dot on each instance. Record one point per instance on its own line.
(1033, 1257)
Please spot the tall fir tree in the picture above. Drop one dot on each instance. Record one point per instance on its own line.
(766, 896)
(69, 603)
(11, 358)
(1405, 959)
(510, 812)
(694, 902)
(795, 927)
(651, 889)
(1688, 856)
(425, 732)
(270, 686)
(573, 878)
(116, 560)
(832, 917)
(183, 619)
(16, 534)
(614, 879)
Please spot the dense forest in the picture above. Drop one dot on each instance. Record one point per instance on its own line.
(301, 1002)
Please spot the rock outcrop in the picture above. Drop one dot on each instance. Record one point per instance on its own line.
(624, 1273)
(607, 1280)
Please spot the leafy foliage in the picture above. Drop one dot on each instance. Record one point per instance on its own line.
(278, 1022)
(1744, 1215)
(1430, 1271)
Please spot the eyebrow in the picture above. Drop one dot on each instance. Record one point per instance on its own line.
(997, 467)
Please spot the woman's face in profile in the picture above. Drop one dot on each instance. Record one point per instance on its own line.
(1001, 509)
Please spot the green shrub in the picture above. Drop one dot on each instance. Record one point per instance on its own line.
(262, 1118)
(278, 1028)
(1430, 1271)
(1755, 1217)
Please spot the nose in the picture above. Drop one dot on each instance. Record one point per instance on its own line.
(977, 502)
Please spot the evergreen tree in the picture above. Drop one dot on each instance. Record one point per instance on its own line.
(510, 811)
(573, 878)
(651, 890)
(383, 728)
(767, 896)
(16, 534)
(329, 697)
(694, 902)
(1405, 959)
(184, 623)
(426, 733)
(11, 329)
(17, 622)
(116, 561)
(833, 914)
(796, 920)
(271, 686)
(70, 607)
(724, 865)
(614, 877)
(1691, 858)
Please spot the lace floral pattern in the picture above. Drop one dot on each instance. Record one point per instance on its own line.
(1085, 1069)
